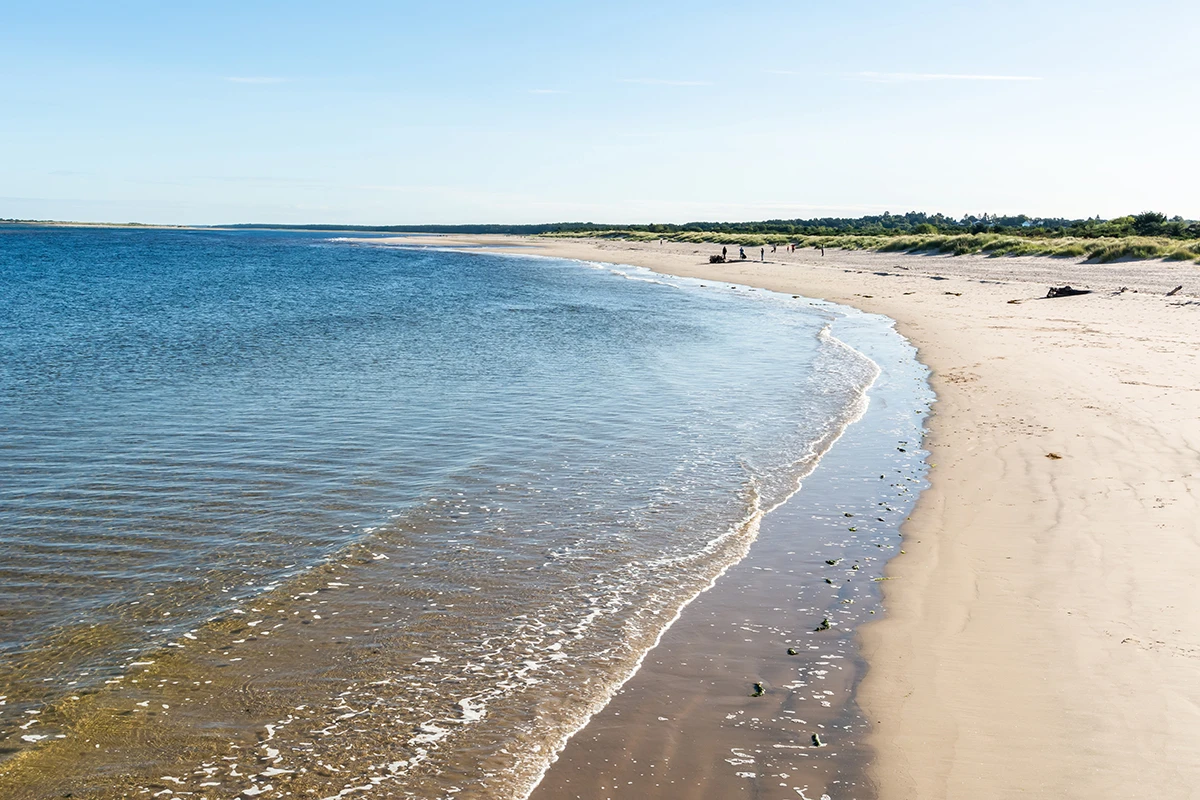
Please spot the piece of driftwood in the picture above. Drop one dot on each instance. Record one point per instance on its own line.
(1066, 291)
(1175, 291)
(716, 259)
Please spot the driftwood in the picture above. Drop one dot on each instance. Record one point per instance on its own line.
(1175, 291)
(1066, 291)
(716, 259)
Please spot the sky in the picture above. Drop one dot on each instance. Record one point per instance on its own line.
(511, 112)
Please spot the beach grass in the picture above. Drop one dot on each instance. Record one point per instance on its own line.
(1101, 249)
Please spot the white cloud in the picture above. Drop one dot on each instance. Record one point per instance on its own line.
(906, 77)
(259, 80)
(659, 82)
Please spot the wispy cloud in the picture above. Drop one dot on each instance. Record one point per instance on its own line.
(258, 79)
(547, 91)
(908, 77)
(660, 82)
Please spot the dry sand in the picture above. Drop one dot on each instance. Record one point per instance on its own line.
(1042, 633)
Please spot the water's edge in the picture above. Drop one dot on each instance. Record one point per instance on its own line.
(903, 383)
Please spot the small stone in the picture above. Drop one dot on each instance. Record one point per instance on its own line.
(759, 690)
(816, 740)
(792, 651)
(824, 626)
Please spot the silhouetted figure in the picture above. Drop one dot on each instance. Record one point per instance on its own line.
(742, 253)
(724, 253)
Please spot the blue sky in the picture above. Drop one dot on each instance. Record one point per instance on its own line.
(379, 113)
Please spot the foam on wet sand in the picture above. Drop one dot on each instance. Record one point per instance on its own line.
(1040, 630)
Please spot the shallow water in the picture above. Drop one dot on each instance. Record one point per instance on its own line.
(329, 517)
(692, 723)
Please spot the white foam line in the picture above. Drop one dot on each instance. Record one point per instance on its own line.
(754, 522)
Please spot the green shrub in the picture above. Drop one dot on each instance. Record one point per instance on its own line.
(1090, 244)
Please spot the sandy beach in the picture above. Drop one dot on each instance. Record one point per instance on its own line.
(1039, 635)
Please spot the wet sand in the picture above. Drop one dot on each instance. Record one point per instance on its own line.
(688, 724)
(1039, 637)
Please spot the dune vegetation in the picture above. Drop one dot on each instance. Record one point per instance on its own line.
(1148, 235)
(1100, 249)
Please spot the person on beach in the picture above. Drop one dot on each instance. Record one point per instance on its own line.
(724, 253)
(742, 253)
(762, 254)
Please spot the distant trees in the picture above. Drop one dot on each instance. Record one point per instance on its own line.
(1148, 223)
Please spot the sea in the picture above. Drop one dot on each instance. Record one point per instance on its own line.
(294, 513)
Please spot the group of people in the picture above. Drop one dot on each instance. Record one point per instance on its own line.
(762, 252)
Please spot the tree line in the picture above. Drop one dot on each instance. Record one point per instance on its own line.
(1147, 223)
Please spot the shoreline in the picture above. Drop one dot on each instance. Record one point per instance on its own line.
(691, 709)
(1038, 635)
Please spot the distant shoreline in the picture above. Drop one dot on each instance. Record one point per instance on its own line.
(1101, 248)
(45, 223)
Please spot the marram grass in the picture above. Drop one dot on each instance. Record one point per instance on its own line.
(992, 244)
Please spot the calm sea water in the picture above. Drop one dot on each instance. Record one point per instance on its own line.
(326, 516)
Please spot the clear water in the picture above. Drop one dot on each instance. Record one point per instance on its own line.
(284, 510)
